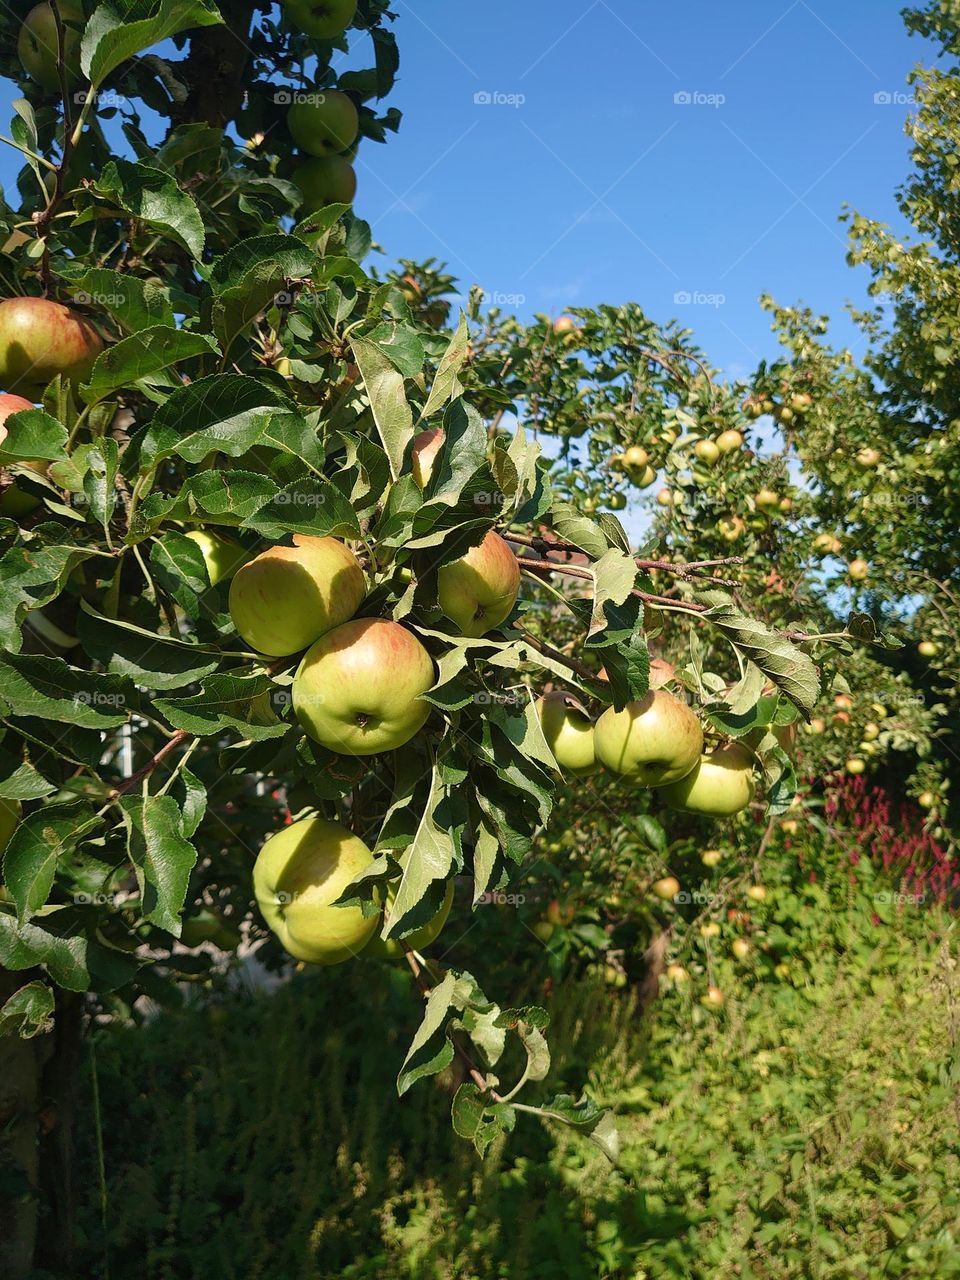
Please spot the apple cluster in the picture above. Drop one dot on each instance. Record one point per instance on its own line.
(324, 125)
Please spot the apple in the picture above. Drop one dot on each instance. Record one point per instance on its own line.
(841, 717)
(752, 408)
(767, 498)
(287, 597)
(785, 505)
(785, 413)
(564, 325)
(568, 731)
(927, 648)
(322, 19)
(38, 46)
(615, 501)
(801, 401)
(879, 710)
(9, 405)
(730, 528)
(868, 457)
(423, 454)
(757, 892)
(827, 543)
(478, 591)
(856, 764)
(326, 124)
(666, 498)
(707, 451)
(719, 786)
(858, 570)
(667, 888)
(419, 940)
(790, 826)
(816, 725)
(543, 930)
(654, 740)
(298, 874)
(868, 748)
(711, 857)
(558, 915)
(710, 930)
(713, 999)
(222, 556)
(870, 731)
(357, 690)
(729, 441)
(741, 948)
(677, 973)
(39, 339)
(635, 458)
(926, 800)
(767, 405)
(9, 818)
(643, 479)
(324, 180)
(782, 970)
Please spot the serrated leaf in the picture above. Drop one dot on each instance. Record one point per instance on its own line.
(479, 1122)
(77, 963)
(158, 662)
(31, 685)
(388, 400)
(445, 384)
(39, 842)
(33, 434)
(31, 577)
(162, 858)
(788, 667)
(222, 705)
(142, 357)
(113, 36)
(152, 197)
(28, 1012)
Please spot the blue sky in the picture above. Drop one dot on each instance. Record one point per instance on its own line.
(572, 153)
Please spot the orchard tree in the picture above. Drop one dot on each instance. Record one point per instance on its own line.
(280, 587)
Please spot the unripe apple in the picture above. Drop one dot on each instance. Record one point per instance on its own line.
(711, 857)
(719, 786)
(654, 740)
(927, 648)
(614, 977)
(322, 19)
(858, 570)
(643, 479)
(324, 180)
(785, 413)
(790, 826)
(781, 970)
(758, 892)
(827, 543)
(666, 498)
(785, 505)
(870, 731)
(816, 725)
(39, 339)
(856, 765)
(298, 874)
(478, 591)
(615, 501)
(9, 818)
(868, 457)
(287, 597)
(710, 930)
(569, 733)
(730, 528)
(741, 948)
(868, 748)
(222, 556)
(325, 125)
(358, 689)
(423, 454)
(543, 930)
(677, 974)
(752, 408)
(926, 800)
(707, 451)
(879, 710)
(729, 441)
(713, 999)
(419, 940)
(767, 498)
(635, 458)
(667, 888)
(38, 46)
(767, 405)
(800, 401)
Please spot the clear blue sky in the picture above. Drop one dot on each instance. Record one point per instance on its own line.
(585, 181)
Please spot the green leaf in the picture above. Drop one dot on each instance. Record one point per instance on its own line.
(76, 963)
(313, 506)
(33, 433)
(113, 36)
(446, 384)
(31, 685)
(39, 842)
(388, 401)
(28, 1012)
(478, 1121)
(568, 524)
(161, 857)
(31, 577)
(587, 1118)
(158, 662)
(430, 857)
(614, 577)
(142, 358)
(134, 304)
(20, 780)
(223, 705)
(154, 198)
(426, 1056)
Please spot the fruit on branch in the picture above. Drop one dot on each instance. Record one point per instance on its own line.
(38, 46)
(207, 926)
(767, 498)
(325, 124)
(357, 689)
(828, 544)
(14, 500)
(718, 787)
(654, 740)
(856, 765)
(879, 710)
(677, 974)
(928, 648)
(322, 19)
(785, 505)
(635, 458)
(757, 892)
(392, 948)
(858, 570)
(666, 498)
(801, 401)
(564, 325)
(729, 441)
(843, 700)
(478, 591)
(711, 857)
(790, 826)
(707, 451)
(287, 597)
(713, 999)
(667, 888)
(816, 726)
(9, 817)
(870, 731)
(741, 948)
(868, 457)
(753, 408)
(710, 930)
(543, 930)
(642, 479)
(568, 731)
(9, 405)
(324, 180)
(298, 874)
(615, 501)
(926, 800)
(423, 454)
(39, 339)
(222, 556)
(730, 528)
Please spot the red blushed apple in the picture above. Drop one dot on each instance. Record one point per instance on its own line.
(39, 339)
(478, 591)
(423, 453)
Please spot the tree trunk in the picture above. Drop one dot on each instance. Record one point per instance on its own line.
(59, 1085)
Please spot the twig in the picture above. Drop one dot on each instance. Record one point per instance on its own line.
(691, 568)
(178, 738)
(578, 667)
(574, 571)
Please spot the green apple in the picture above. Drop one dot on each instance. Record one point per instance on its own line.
(568, 731)
(543, 930)
(711, 857)
(359, 687)
(752, 408)
(324, 124)
(858, 570)
(757, 892)
(871, 730)
(287, 597)
(729, 441)
(927, 648)
(667, 888)
(868, 457)
(478, 591)
(856, 765)
(707, 451)
(710, 930)
(322, 19)
(565, 325)
(207, 926)
(926, 800)
(790, 826)
(666, 498)
(828, 544)
(9, 818)
(222, 556)
(635, 458)
(730, 528)
(816, 725)
(655, 740)
(615, 501)
(767, 498)
(324, 180)
(713, 999)
(677, 974)
(719, 786)
(38, 46)
(419, 940)
(741, 948)
(298, 874)
(800, 401)
(642, 479)
(423, 454)
(39, 339)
